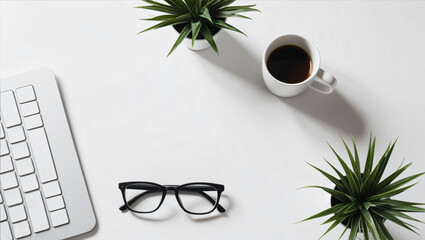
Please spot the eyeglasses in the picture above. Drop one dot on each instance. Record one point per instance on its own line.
(194, 198)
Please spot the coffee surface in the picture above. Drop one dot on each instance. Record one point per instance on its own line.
(290, 64)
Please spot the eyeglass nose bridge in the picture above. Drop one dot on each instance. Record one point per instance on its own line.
(171, 187)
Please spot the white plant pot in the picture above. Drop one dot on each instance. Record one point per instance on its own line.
(200, 44)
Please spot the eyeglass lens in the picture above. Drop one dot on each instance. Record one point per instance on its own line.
(143, 197)
(198, 198)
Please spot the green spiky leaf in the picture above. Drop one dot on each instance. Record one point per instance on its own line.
(222, 24)
(206, 15)
(364, 198)
(202, 15)
(196, 27)
(208, 36)
(186, 30)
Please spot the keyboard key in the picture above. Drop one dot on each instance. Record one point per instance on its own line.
(3, 215)
(9, 109)
(59, 217)
(13, 197)
(16, 134)
(21, 229)
(29, 183)
(8, 180)
(33, 121)
(55, 203)
(29, 108)
(51, 189)
(6, 164)
(42, 155)
(37, 211)
(1, 131)
(17, 213)
(24, 166)
(20, 150)
(5, 233)
(26, 94)
(4, 149)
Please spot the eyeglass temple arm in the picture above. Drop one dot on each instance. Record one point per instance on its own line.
(219, 207)
(135, 198)
(201, 190)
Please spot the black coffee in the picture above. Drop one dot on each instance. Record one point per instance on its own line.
(290, 64)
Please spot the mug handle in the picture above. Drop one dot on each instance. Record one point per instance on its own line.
(323, 82)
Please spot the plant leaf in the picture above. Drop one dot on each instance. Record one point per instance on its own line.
(331, 178)
(357, 160)
(394, 219)
(165, 9)
(337, 194)
(242, 16)
(222, 24)
(390, 193)
(373, 178)
(367, 205)
(352, 207)
(378, 228)
(399, 214)
(170, 6)
(178, 4)
(383, 163)
(364, 228)
(191, 7)
(160, 18)
(208, 36)
(326, 212)
(219, 4)
(246, 8)
(348, 172)
(369, 159)
(354, 228)
(186, 30)
(196, 27)
(345, 230)
(180, 19)
(370, 205)
(338, 215)
(353, 163)
(390, 178)
(400, 205)
(206, 14)
(384, 230)
(401, 182)
(369, 222)
(341, 177)
(332, 226)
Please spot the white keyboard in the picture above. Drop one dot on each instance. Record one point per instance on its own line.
(42, 189)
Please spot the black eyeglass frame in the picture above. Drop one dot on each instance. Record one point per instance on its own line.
(176, 189)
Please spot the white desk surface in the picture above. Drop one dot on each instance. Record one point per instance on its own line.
(137, 115)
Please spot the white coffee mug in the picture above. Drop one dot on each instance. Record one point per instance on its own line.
(318, 80)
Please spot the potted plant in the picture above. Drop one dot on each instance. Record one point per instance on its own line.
(199, 20)
(362, 200)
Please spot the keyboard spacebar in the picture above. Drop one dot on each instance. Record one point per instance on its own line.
(42, 155)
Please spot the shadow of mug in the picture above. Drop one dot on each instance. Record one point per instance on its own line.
(332, 109)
